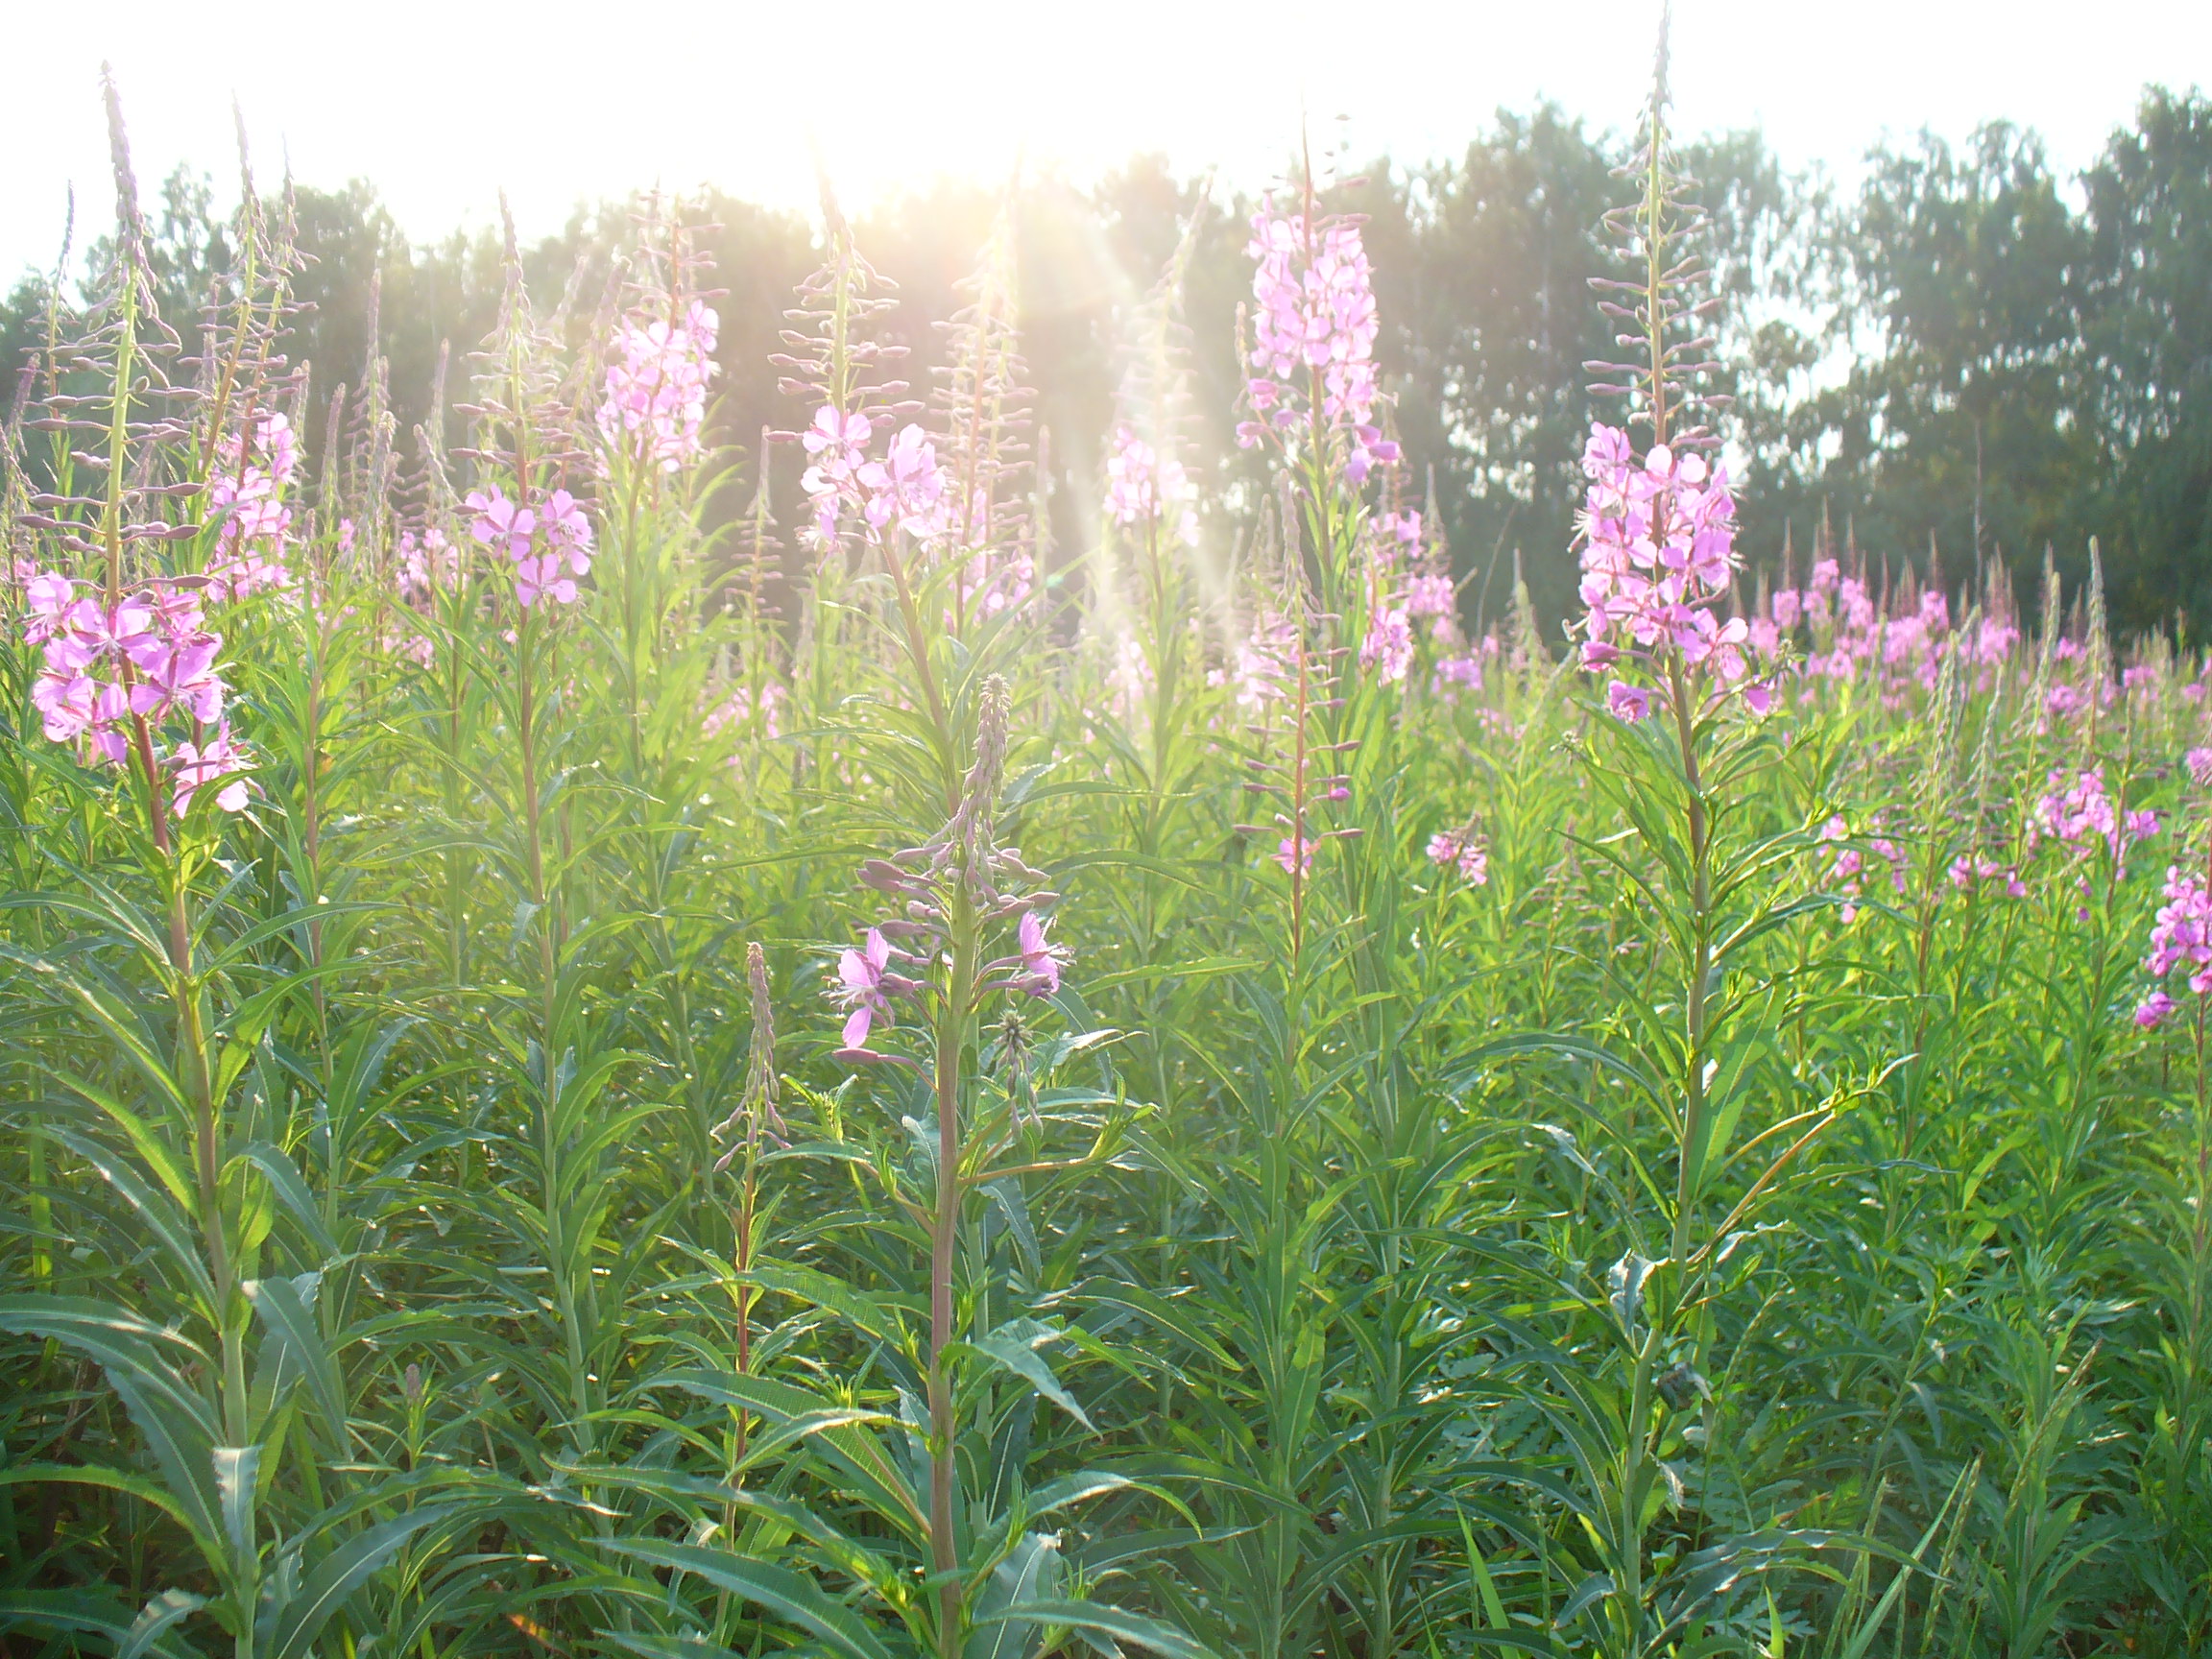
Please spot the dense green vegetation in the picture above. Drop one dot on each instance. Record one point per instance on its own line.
(594, 1067)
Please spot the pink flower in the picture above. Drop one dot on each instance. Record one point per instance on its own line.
(906, 488)
(653, 401)
(537, 579)
(499, 524)
(1144, 487)
(1628, 702)
(2199, 760)
(2153, 1010)
(1429, 596)
(864, 988)
(196, 766)
(1314, 320)
(177, 669)
(738, 709)
(1389, 643)
(1295, 854)
(1460, 671)
(1040, 959)
(567, 530)
(1461, 851)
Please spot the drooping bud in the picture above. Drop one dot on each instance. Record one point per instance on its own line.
(757, 1107)
(965, 838)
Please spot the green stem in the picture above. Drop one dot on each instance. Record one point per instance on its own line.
(944, 1420)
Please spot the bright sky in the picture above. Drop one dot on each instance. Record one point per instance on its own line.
(442, 105)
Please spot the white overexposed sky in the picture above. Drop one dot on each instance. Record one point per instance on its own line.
(442, 104)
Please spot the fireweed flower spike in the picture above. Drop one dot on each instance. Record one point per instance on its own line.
(110, 674)
(653, 402)
(2180, 941)
(1314, 331)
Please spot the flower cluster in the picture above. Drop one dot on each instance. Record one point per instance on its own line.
(906, 488)
(741, 707)
(1314, 336)
(655, 400)
(1464, 850)
(1258, 667)
(253, 467)
(539, 539)
(1848, 869)
(1658, 553)
(2180, 938)
(1969, 873)
(428, 564)
(1145, 487)
(2081, 812)
(113, 673)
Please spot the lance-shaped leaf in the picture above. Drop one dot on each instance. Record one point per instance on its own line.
(788, 1595)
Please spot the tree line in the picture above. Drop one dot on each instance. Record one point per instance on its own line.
(1969, 356)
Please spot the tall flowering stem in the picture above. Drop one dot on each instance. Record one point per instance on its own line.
(958, 891)
(1678, 741)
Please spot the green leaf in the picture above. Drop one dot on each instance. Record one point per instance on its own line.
(1115, 1622)
(341, 1573)
(1014, 1345)
(286, 1312)
(92, 1611)
(292, 1192)
(156, 1617)
(237, 1475)
(788, 1595)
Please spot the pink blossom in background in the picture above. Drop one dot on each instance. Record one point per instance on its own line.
(1261, 667)
(1463, 672)
(653, 402)
(1147, 487)
(2199, 760)
(255, 526)
(1462, 852)
(428, 563)
(2080, 811)
(2153, 1010)
(1429, 596)
(738, 709)
(1388, 648)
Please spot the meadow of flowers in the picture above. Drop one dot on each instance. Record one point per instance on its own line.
(564, 1093)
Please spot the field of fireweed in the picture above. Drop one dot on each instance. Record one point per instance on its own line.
(563, 1092)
